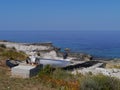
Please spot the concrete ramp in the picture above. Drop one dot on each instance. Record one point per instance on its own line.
(25, 71)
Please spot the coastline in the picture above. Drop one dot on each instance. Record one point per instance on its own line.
(46, 49)
(83, 63)
(49, 46)
(49, 51)
(89, 42)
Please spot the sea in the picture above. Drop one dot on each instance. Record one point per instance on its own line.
(104, 44)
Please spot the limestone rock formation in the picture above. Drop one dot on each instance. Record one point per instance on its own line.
(45, 50)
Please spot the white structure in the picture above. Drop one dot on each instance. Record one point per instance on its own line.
(24, 71)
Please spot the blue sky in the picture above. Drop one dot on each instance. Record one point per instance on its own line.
(59, 14)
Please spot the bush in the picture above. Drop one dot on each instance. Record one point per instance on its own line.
(1, 49)
(13, 54)
(61, 74)
(47, 70)
(58, 78)
(64, 79)
(117, 66)
(13, 48)
(56, 73)
(2, 45)
(100, 82)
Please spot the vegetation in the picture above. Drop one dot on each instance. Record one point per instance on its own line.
(6, 53)
(117, 66)
(10, 53)
(99, 82)
(2, 45)
(9, 83)
(59, 79)
(13, 54)
(51, 79)
(63, 80)
(13, 48)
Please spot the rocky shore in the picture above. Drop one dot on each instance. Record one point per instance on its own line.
(47, 50)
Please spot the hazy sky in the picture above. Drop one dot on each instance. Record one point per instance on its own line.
(59, 14)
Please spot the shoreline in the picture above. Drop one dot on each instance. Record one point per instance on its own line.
(49, 51)
(50, 44)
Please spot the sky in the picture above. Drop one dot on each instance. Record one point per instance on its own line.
(59, 15)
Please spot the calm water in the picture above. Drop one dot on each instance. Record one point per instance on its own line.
(97, 43)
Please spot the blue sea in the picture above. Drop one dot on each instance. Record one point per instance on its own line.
(97, 43)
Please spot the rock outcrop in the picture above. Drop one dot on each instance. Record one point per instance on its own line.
(77, 56)
(45, 50)
(26, 47)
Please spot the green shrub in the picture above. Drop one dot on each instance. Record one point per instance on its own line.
(13, 48)
(47, 70)
(61, 74)
(2, 45)
(100, 82)
(1, 49)
(13, 54)
(56, 73)
(87, 82)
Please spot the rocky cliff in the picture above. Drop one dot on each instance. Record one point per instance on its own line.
(46, 50)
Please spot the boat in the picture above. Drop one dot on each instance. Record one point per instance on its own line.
(51, 62)
(54, 63)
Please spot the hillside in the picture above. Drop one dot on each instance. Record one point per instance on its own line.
(49, 79)
(10, 53)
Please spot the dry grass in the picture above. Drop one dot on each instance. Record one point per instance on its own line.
(10, 53)
(6, 53)
(110, 65)
(9, 83)
(49, 79)
(115, 63)
(65, 81)
(58, 80)
(99, 82)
